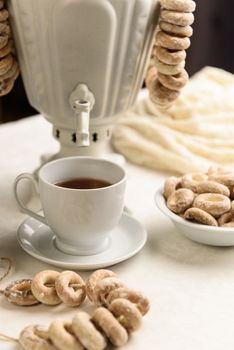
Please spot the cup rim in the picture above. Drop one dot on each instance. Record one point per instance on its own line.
(123, 179)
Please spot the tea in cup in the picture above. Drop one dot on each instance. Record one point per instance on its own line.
(82, 200)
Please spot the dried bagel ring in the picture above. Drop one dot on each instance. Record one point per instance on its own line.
(151, 79)
(6, 49)
(159, 94)
(30, 339)
(174, 82)
(85, 331)
(225, 179)
(168, 69)
(212, 187)
(213, 203)
(19, 293)
(151, 76)
(226, 218)
(61, 334)
(180, 200)
(162, 95)
(200, 216)
(43, 287)
(6, 86)
(170, 186)
(3, 41)
(104, 320)
(3, 15)
(127, 314)
(135, 297)
(12, 73)
(179, 5)
(7, 31)
(5, 64)
(70, 288)
(169, 57)
(104, 287)
(191, 180)
(4, 28)
(178, 18)
(171, 42)
(176, 30)
(96, 276)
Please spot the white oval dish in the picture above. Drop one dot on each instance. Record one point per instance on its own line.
(216, 236)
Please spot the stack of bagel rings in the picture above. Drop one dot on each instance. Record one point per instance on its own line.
(166, 75)
(9, 68)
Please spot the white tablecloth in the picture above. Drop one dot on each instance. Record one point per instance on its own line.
(191, 286)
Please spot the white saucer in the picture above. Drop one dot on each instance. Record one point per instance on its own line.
(126, 240)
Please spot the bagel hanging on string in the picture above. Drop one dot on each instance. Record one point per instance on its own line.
(166, 75)
(9, 68)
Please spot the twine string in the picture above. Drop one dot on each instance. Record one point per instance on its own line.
(7, 269)
(5, 338)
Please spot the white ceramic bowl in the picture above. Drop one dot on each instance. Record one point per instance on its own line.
(217, 236)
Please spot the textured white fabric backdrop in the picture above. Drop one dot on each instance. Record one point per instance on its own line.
(191, 286)
(195, 133)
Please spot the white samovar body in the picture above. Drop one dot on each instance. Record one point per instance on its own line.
(102, 45)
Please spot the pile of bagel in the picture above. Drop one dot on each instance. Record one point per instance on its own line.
(204, 198)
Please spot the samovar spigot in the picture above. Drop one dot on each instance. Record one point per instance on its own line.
(82, 101)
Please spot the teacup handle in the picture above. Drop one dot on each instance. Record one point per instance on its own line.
(31, 178)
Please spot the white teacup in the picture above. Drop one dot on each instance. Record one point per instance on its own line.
(81, 219)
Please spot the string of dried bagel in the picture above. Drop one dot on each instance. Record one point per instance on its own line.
(119, 310)
(166, 75)
(9, 68)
